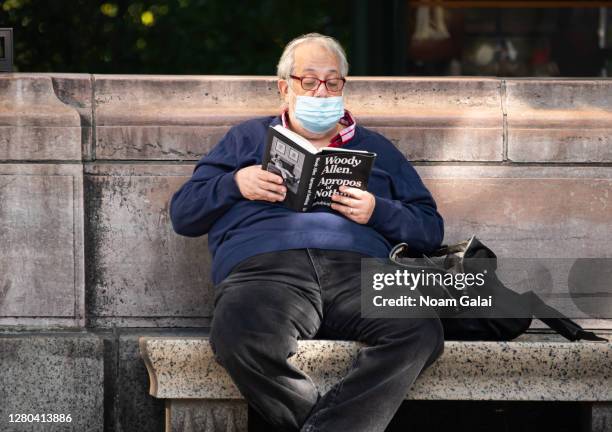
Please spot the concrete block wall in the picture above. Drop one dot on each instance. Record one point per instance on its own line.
(88, 163)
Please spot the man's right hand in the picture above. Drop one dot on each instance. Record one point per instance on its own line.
(257, 184)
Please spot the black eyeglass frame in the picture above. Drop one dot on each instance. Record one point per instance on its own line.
(319, 81)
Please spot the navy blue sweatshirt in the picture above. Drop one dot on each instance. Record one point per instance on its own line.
(211, 203)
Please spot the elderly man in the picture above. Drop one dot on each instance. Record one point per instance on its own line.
(281, 275)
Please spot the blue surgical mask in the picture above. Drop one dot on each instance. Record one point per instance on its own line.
(319, 114)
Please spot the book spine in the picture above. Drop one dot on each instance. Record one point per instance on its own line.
(266, 154)
(313, 170)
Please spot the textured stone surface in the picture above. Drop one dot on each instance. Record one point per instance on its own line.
(127, 404)
(164, 117)
(75, 90)
(558, 145)
(549, 212)
(523, 212)
(174, 117)
(208, 416)
(34, 123)
(601, 417)
(49, 116)
(434, 119)
(112, 385)
(135, 409)
(559, 120)
(445, 143)
(56, 373)
(41, 241)
(525, 370)
(158, 142)
(138, 267)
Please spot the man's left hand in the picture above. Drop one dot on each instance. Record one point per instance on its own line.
(357, 205)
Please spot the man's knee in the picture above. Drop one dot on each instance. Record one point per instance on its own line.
(229, 337)
(238, 339)
(226, 344)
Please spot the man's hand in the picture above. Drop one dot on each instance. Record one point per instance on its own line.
(257, 184)
(358, 206)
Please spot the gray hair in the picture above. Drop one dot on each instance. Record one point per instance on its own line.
(286, 62)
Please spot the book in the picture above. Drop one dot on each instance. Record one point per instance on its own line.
(313, 175)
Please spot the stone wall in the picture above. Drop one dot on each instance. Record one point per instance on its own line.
(88, 163)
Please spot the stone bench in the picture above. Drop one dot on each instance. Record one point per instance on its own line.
(201, 396)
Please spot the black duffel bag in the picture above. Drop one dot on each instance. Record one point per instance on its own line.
(511, 314)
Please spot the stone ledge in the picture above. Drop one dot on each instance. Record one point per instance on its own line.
(147, 117)
(173, 117)
(559, 120)
(35, 123)
(568, 99)
(534, 368)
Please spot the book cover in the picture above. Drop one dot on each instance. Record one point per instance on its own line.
(313, 175)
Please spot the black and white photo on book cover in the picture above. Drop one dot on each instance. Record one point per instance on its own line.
(287, 162)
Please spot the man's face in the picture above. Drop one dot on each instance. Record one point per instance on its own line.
(313, 60)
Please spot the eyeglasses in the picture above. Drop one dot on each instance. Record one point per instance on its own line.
(313, 83)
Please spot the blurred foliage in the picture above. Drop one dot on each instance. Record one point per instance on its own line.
(164, 36)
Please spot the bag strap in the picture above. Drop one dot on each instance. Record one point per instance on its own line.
(559, 322)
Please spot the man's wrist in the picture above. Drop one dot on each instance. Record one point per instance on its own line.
(229, 184)
(382, 207)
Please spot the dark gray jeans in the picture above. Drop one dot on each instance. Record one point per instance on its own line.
(270, 301)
